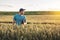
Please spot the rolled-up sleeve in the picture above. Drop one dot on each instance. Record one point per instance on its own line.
(24, 20)
(14, 18)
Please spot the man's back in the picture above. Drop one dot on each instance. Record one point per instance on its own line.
(19, 19)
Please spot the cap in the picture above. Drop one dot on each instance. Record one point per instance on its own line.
(21, 9)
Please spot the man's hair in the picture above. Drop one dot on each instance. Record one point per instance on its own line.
(21, 9)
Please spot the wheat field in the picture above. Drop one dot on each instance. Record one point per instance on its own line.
(43, 27)
(33, 18)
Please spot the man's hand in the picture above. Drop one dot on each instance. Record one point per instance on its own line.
(13, 22)
(25, 23)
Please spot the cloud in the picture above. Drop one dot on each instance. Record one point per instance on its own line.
(29, 5)
(6, 6)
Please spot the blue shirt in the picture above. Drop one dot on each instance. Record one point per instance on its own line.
(20, 19)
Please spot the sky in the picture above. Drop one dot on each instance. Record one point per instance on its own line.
(30, 5)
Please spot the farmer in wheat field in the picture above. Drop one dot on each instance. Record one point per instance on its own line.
(20, 19)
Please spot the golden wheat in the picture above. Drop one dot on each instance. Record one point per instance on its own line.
(30, 32)
(43, 27)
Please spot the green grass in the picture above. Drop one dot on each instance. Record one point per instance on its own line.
(27, 13)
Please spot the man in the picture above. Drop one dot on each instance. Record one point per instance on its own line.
(19, 18)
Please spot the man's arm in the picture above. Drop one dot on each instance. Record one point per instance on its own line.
(14, 20)
(24, 21)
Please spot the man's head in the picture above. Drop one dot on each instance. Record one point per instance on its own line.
(21, 11)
